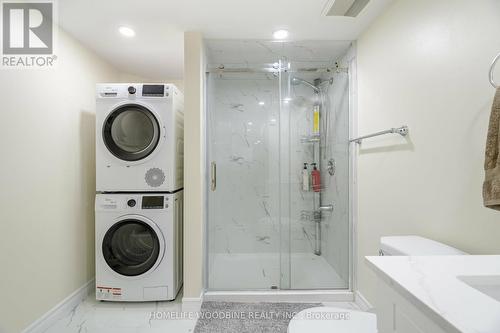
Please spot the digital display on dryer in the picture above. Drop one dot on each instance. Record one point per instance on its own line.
(152, 202)
(157, 90)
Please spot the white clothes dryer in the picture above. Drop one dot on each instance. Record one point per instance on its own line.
(139, 137)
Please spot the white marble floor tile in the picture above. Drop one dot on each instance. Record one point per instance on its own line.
(92, 316)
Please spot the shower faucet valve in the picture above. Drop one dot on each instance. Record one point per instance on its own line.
(328, 208)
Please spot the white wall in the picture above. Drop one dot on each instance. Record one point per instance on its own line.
(194, 164)
(47, 182)
(424, 63)
(126, 77)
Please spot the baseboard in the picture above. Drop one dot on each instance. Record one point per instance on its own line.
(192, 304)
(62, 309)
(362, 302)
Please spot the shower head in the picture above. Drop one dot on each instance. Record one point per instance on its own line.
(296, 81)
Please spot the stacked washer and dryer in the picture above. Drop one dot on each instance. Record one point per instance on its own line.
(139, 184)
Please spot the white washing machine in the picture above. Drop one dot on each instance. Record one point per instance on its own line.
(139, 137)
(138, 246)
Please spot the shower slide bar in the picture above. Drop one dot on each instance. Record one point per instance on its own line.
(403, 131)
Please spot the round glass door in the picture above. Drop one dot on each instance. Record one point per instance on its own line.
(131, 132)
(131, 247)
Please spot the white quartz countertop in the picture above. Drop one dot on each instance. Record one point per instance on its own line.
(431, 283)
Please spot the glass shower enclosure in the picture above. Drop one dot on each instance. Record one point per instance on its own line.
(278, 155)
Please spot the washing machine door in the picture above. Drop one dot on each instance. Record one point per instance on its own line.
(131, 132)
(131, 247)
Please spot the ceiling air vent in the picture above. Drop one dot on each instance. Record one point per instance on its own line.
(349, 8)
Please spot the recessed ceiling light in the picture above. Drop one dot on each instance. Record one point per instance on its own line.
(280, 34)
(127, 32)
(261, 103)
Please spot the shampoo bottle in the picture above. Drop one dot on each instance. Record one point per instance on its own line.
(315, 120)
(305, 178)
(316, 179)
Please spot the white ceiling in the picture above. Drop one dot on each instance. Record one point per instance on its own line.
(156, 52)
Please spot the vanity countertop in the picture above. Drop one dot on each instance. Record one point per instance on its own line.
(433, 284)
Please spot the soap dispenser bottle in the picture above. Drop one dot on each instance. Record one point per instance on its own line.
(305, 178)
(316, 179)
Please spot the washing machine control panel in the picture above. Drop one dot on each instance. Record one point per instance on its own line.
(131, 90)
(132, 202)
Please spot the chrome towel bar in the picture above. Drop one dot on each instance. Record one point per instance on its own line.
(492, 69)
(403, 131)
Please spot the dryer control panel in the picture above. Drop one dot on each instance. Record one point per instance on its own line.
(135, 90)
(154, 90)
(153, 202)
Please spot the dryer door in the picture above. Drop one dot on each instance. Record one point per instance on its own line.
(131, 132)
(131, 247)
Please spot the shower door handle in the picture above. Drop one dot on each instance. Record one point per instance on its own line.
(213, 176)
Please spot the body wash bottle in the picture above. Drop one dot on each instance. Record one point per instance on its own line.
(305, 178)
(316, 179)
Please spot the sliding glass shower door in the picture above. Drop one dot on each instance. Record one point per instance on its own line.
(244, 204)
(266, 230)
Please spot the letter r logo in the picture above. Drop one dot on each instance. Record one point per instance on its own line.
(27, 28)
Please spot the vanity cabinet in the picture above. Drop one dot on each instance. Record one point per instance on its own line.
(436, 294)
(395, 314)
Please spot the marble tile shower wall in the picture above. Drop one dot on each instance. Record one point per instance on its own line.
(335, 233)
(242, 53)
(245, 144)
